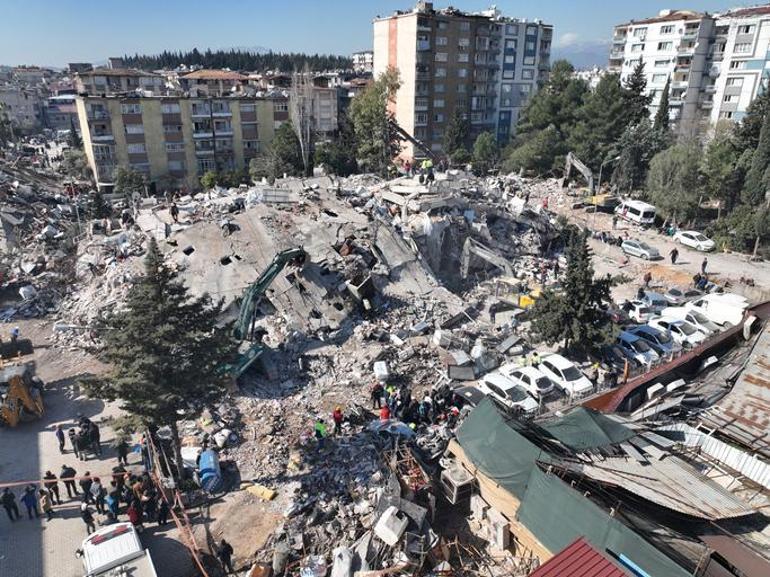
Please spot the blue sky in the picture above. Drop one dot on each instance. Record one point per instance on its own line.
(54, 32)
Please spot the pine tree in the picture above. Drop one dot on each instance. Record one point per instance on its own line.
(167, 351)
(636, 98)
(756, 185)
(456, 137)
(485, 154)
(662, 114)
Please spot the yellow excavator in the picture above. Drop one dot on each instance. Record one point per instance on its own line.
(20, 390)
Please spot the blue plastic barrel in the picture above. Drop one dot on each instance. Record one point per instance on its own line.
(209, 473)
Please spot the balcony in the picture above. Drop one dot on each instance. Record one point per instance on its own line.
(203, 134)
(102, 137)
(690, 34)
(423, 45)
(710, 89)
(201, 111)
(619, 39)
(707, 104)
(617, 53)
(98, 115)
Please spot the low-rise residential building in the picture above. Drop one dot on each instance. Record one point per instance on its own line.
(363, 62)
(61, 112)
(23, 107)
(212, 83)
(176, 137)
(116, 81)
(484, 65)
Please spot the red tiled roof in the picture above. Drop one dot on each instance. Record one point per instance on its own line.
(579, 559)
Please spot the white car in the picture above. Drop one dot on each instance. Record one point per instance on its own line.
(637, 311)
(724, 310)
(640, 248)
(695, 318)
(638, 349)
(681, 331)
(694, 239)
(565, 375)
(508, 393)
(531, 378)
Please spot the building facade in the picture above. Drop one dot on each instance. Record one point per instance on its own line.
(176, 137)
(115, 81)
(23, 107)
(363, 62)
(212, 82)
(483, 65)
(716, 64)
(61, 112)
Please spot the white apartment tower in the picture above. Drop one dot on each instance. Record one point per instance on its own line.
(485, 65)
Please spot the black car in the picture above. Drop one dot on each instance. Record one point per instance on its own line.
(612, 356)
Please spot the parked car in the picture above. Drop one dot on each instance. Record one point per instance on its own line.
(640, 248)
(695, 318)
(725, 310)
(614, 357)
(678, 296)
(115, 549)
(656, 302)
(531, 378)
(618, 315)
(508, 393)
(661, 341)
(694, 239)
(681, 331)
(565, 375)
(638, 349)
(637, 311)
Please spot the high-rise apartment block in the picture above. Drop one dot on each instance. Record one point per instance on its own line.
(176, 137)
(484, 65)
(716, 64)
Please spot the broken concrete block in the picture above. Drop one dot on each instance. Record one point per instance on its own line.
(391, 526)
(381, 371)
(499, 530)
(262, 492)
(342, 562)
(479, 508)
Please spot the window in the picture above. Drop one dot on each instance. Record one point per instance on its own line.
(462, 72)
(735, 81)
(525, 88)
(134, 129)
(510, 45)
(462, 57)
(170, 108)
(509, 59)
(737, 65)
(248, 107)
(742, 48)
(175, 147)
(441, 56)
(441, 40)
(508, 73)
(462, 88)
(439, 87)
(667, 29)
(747, 29)
(529, 46)
(665, 46)
(176, 165)
(172, 128)
(441, 72)
(465, 26)
(206, 164)
(659, 78)
(442, 24)
(727, 115)
(281, 107)
(463, 43)
(438, 117)
(438, 103)
(640, 32)
(730, 97)
(137, 148)
(528, 74)
(131, 108)
(531, 31)
(529, 61)
(421, 118)
(251, 145)
(661, 63)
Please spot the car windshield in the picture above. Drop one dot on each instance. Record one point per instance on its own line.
(700, 238)
(644, 311)
(663, 337)
(687, 329)
(675, 292)
(641, 347)
(645, 246)
(516, 394)
(542, 383)
(571, 373)
(699, 317)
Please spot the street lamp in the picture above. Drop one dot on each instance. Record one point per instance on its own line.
(599, 184)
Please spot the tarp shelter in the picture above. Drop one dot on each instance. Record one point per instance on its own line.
(583, 429)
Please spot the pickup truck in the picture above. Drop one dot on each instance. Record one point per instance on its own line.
(116, 546)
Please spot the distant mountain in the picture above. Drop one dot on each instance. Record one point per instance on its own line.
(583, 54)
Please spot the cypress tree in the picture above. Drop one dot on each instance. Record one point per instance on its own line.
(756, 184)
(661, 116)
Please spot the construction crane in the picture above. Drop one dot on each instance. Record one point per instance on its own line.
(402, 135)
(573, 160)
(252, 296)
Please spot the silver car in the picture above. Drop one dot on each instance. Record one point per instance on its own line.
(640, 248)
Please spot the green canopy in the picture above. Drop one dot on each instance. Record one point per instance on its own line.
(583, 428)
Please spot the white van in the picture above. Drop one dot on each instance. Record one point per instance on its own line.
(636, 211)
(724, 310)
(116, 546)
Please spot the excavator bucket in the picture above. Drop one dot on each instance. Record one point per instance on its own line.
(22, 402)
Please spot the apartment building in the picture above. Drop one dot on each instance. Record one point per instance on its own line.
(363, 62)
(116, 81)
(177, 137)
(23, 107)
(61, 112)
(485, 65)
(674, 45)
(740, 61)
(212, 83)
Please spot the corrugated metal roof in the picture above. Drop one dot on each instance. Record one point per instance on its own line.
(579, 559)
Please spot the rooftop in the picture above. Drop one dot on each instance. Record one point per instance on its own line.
(211, 74)
(579, 559)
(746, 12)
(116, 72)
(672, 16)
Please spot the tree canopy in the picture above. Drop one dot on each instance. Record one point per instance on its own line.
(673, 181)
(485, 153)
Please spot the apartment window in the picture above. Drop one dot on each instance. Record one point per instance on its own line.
(438, 117)
(131, 108)
(421, 118)
(439, 87)
(176, 165)
(281, 107)
(525, 88)
(506, 100)
(134, 129)
(463, 43)
(170, 108)
(441, 57)
(462, 103)
(659, 78)
(510, 45)
(727, 115)
(206, 164)
(665, 46)
(637, 47)
(667, 29)
(463, 57)
(529, 61)
(251, 145)
(511, 29)
(661, 63)
(248, 107)
(438, 103)
(528, 74)
(737, 65)
(742, 48)
(442, 24)
(441, 40)
(730, 97)
(509, 58)
(172, 128)
(174, 146)
(421, 103)
(462, 73)
(508, 73)
(441, 72)
(529, 46)
(531, 30)
(465, 26)
(462, 88)
(640, 32)
(136, 148)
(747, 29)
(735, 81)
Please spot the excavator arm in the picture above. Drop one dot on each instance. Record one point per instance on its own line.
(402, 134)
(573, 160)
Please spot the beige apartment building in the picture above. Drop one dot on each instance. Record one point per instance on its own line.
(111, 81)
(483, 64)
(177, 137)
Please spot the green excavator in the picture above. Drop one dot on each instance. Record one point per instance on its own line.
(243, 330)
